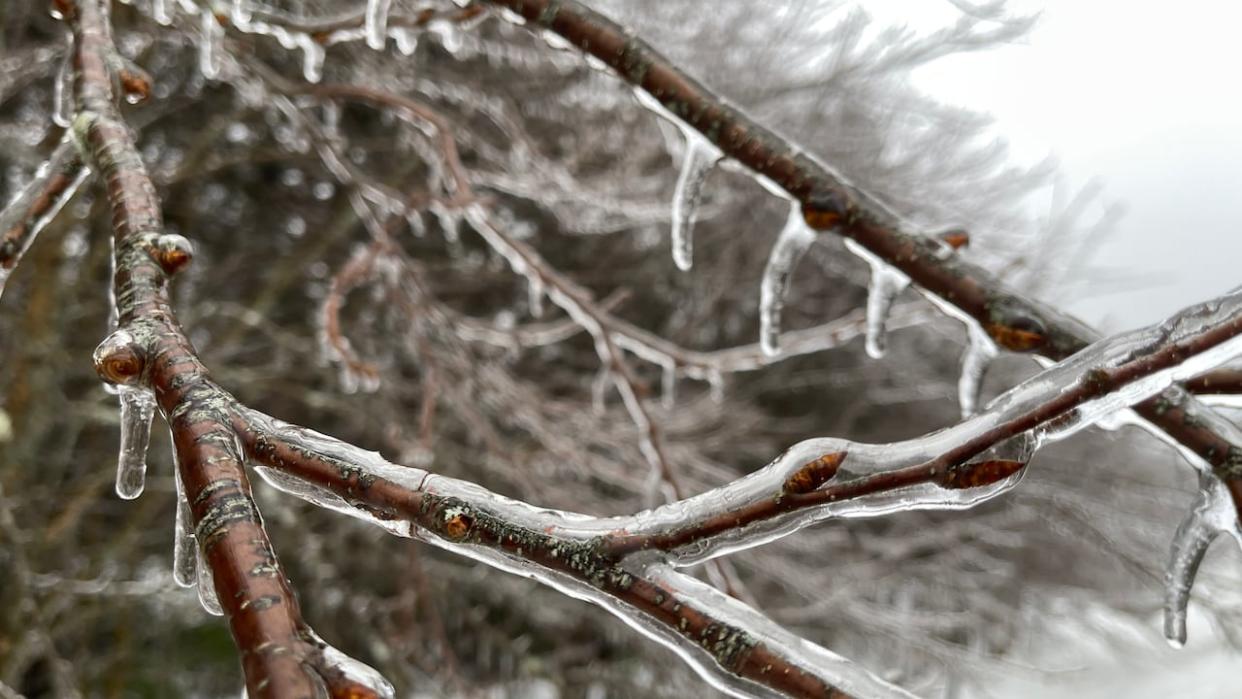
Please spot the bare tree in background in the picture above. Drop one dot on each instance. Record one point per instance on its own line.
(443, 232)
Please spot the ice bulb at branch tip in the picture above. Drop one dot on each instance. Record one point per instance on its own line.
(118, 359)
(791, 244)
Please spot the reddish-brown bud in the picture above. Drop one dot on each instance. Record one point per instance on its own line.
(172, 252)
(456, 525)
(824, 210)
(135, 83)
(979, 474)
(118, 359)
(815, 473)
(956, 239)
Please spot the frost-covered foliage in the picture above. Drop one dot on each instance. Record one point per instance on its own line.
(341, 284)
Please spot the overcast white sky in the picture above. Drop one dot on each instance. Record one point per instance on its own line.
(1144, 96)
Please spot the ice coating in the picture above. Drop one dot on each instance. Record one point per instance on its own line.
(137, 410)
(699, 159)
(376, 21)
(15, 212)
(793, 241)
(713, 523)
(159, 11)
(886, 283)
(848, 677)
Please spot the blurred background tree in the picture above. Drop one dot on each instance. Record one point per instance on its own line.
(437, 355)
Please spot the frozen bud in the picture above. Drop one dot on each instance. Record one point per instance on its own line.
(135, 83)
(172, 252)
(824, 210)
(119, 359)
(1014, 328)
(979, 474)
(956, 239)
(62, 9)
(456, 524)
(815, 473)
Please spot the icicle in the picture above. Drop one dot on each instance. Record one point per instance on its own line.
(407, 40)
(209, 45)
(137, 409)
(715, 382)
(62, 93)
(599, 391)
(377, 23)
(699, 159)
(886, 283)
(207, 587)
(159, 10)
(534, 291)
(1212, 513)
(668, 385)
(185, 549)
(312, 58)
(793, 241)
(979, 354)
(241, 14)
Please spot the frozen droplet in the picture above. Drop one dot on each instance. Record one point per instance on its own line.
(209, 45)
(1212, 513)
(377, 23)
(979, 354)
(886, 283)
(791, 244)
(185, 549)
(137, 410)
(207, 587)
(62, 93)
(699, 158)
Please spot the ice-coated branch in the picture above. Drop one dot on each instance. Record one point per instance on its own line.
(37, 204)
(148, 351)
(610, 560)
(828, 200)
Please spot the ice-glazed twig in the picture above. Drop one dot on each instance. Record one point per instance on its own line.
(610, 560)
(281, 657)
(37, 204)
(829, 202)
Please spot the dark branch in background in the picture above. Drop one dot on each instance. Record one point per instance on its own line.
(621, 563)
(830, 204)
